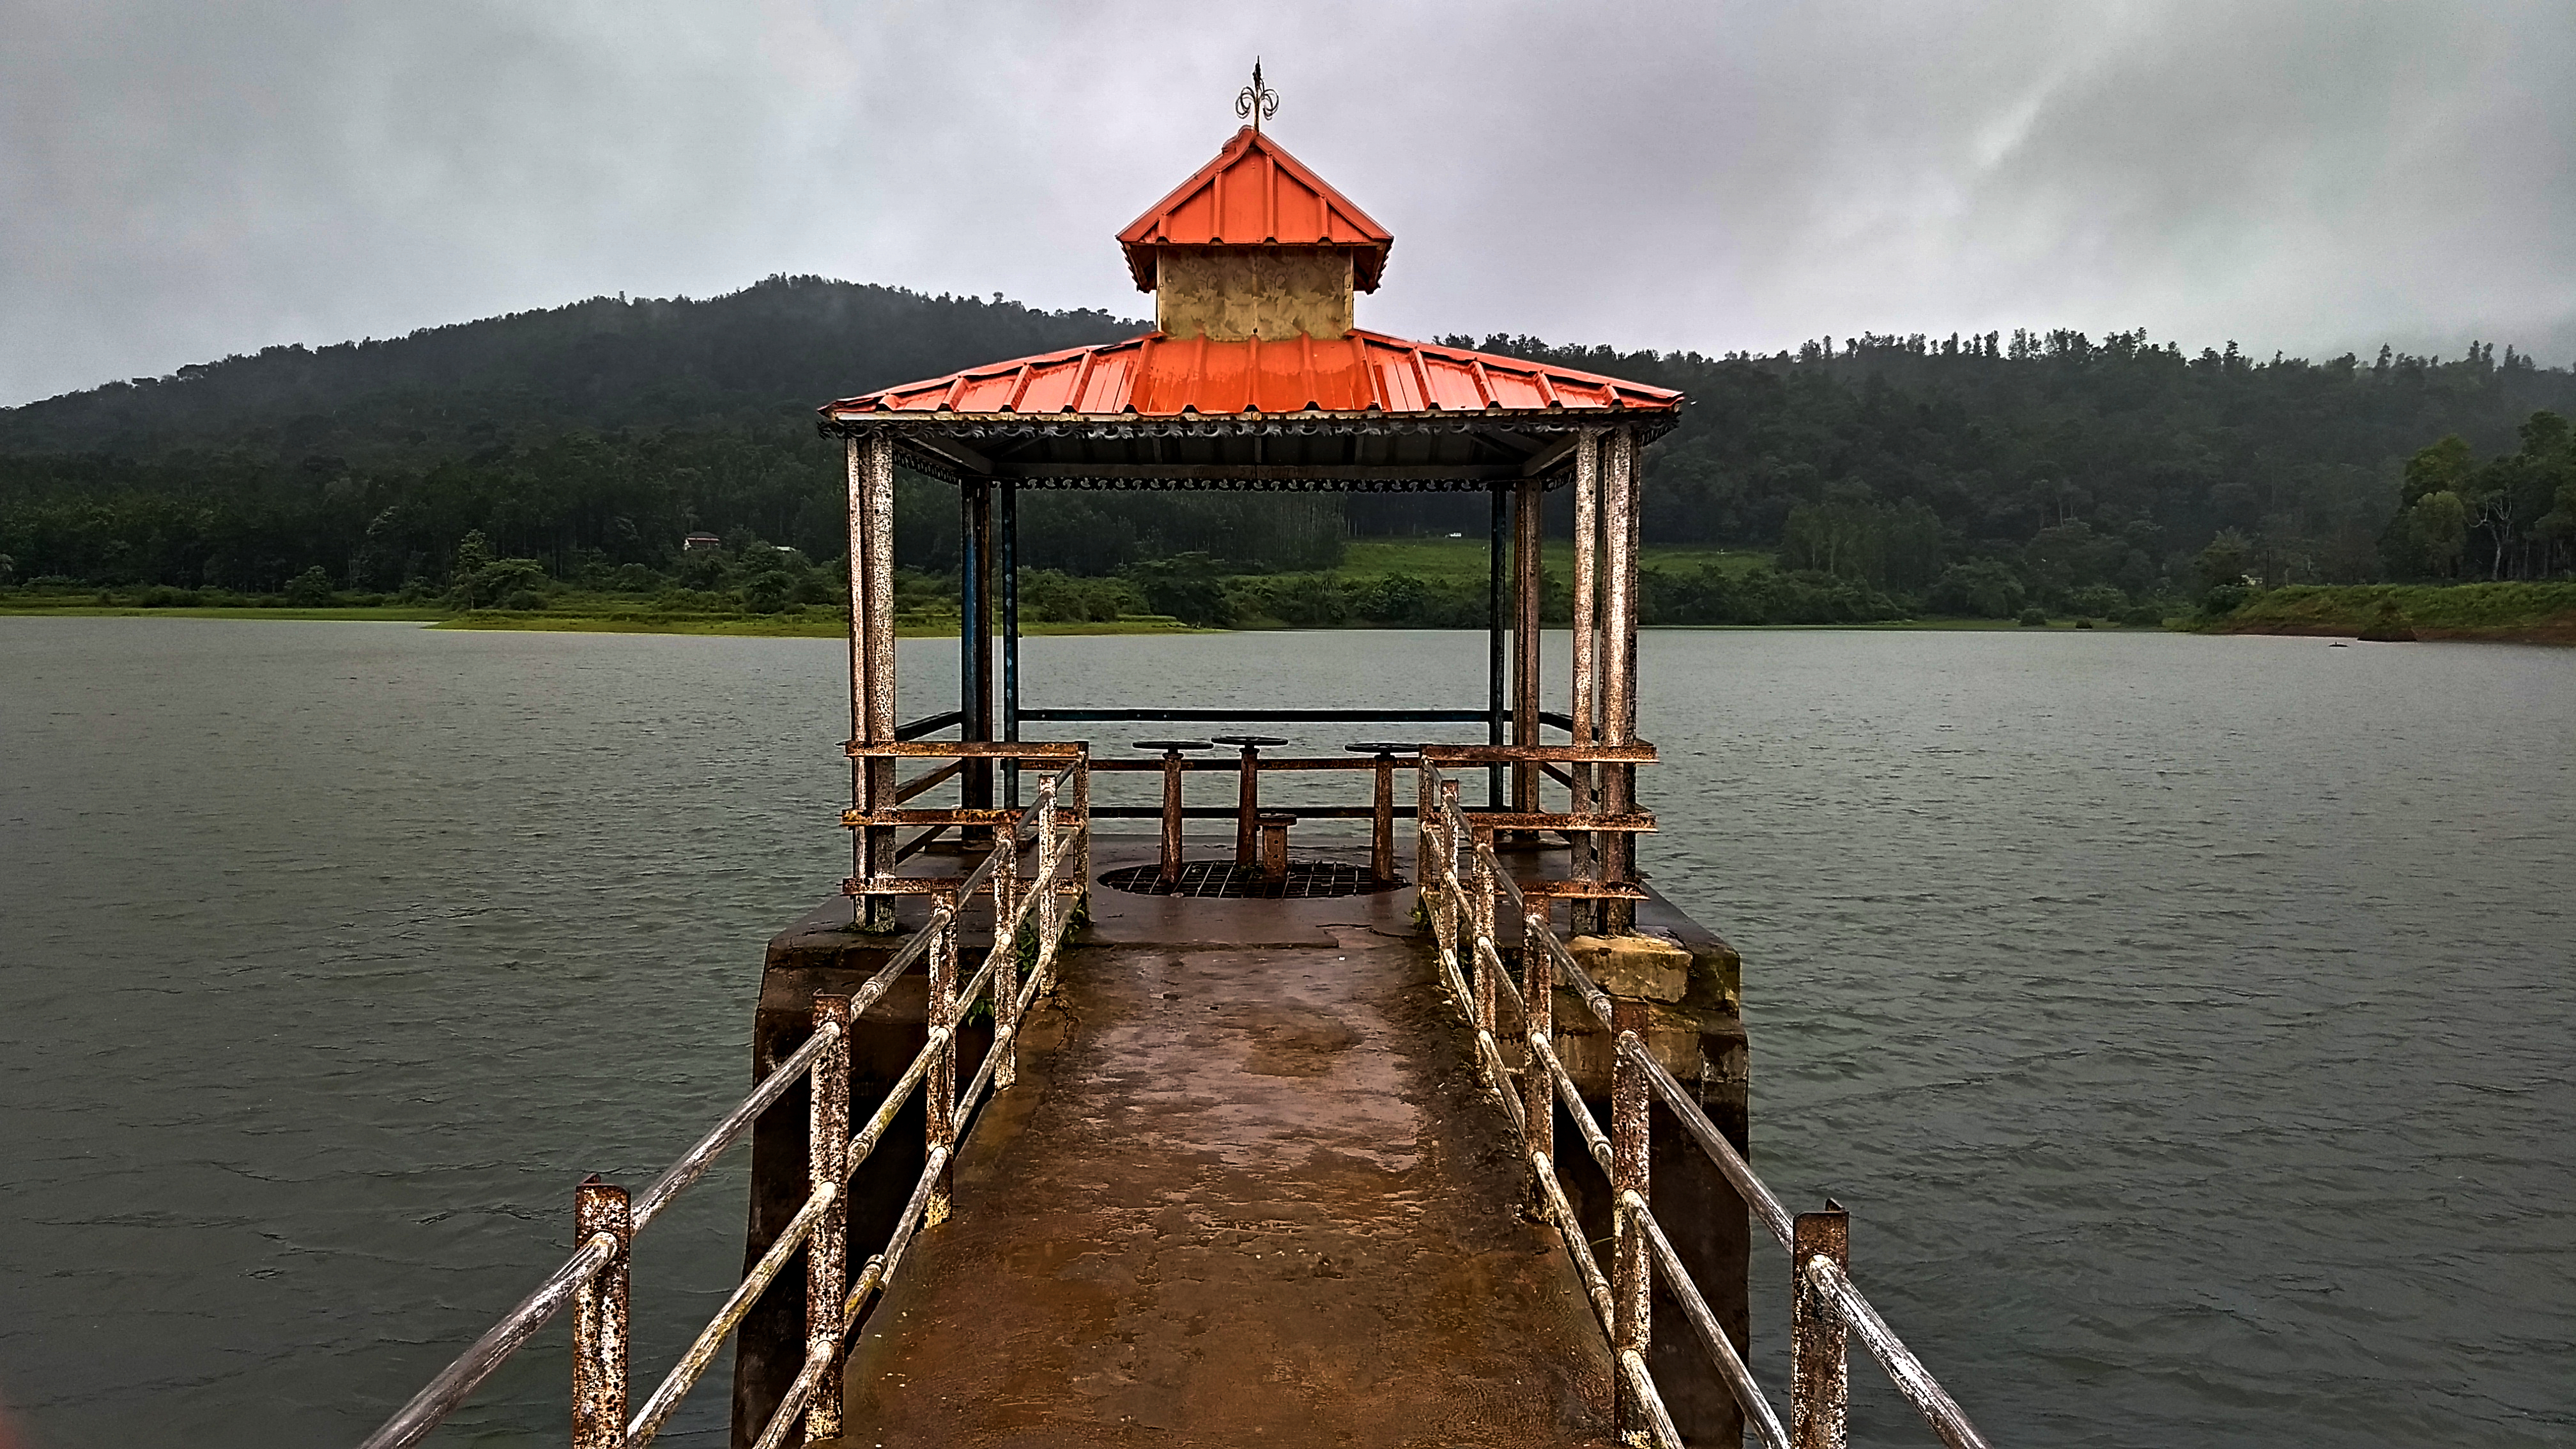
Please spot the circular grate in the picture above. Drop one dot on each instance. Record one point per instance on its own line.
(1308, 880)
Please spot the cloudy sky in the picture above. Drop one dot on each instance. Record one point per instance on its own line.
(180, 180)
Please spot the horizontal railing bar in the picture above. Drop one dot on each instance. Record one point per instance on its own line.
(1756, 1194)
(693, 1364)
(1730, 1364)
(696, 1159)
(1229, 812)
(414, 1420)
(1639, 754)
(1659, 1420)
(1595, 1286)
(1232, 764)
(782, 1420)
(929, 725)
(1069, 714)
(880, 1269)
(920, 784)
(1068, 750)
(1904, 1370)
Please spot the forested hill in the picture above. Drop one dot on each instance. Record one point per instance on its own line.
(764, 356)
(592, 437)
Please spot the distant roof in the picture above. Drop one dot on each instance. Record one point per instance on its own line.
(1158, 376)
(1255, 194)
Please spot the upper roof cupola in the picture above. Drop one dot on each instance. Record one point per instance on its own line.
(1255, 245)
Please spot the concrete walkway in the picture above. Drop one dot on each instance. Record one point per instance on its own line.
(1250, 1194)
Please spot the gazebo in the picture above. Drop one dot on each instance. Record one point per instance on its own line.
(1256, 378)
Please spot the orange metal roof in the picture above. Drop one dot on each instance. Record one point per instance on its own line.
(1159, 376)
(1255, 194)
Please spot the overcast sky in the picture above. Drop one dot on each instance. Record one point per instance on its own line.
(179, 181)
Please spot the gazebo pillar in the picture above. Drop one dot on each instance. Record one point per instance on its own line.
(1527, 571)
(1619, 662)
(975, 640)
(871, 483)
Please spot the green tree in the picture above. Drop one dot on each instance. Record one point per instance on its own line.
(310, 589)
(2227, 560)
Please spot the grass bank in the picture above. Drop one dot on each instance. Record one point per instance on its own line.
(2504, 613)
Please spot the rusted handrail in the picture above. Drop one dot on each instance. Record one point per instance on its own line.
(600, 1404)
(1467, 907)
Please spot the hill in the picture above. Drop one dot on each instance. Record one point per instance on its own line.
(1967, 475)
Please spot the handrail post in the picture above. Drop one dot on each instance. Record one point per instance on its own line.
(1006, 946)
(1631, 1285)
(1082, 824)
(1050, 902)
(1449, 857)
(1480, 881)
(939, 1089)
(1538, 1024)
(1820, 1378)
(599, 1320)
(1425, 811)
(826, 1167)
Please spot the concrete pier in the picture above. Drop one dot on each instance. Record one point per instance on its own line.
(1248, 1189)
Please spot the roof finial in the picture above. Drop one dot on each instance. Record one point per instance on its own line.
(1256, 101)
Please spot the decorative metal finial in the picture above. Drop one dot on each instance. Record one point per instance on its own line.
(1256, 102)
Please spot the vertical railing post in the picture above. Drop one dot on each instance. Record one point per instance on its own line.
(1630, 1284)
(1480, 881)
(1425, 815)
(939, 1091)
(1449, 858)
(1082, 824)
(599, 1321)
(1006, 945)
(826, 1168)
(1538, 1024)
(1819, 1374)
(1050, 903)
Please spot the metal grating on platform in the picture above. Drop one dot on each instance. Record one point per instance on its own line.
(1307, 880)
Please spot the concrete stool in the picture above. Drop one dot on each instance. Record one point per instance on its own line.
(1248, 796)
(1170, 875)
(1274, 846)
(1382, 817)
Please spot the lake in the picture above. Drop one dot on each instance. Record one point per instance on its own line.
(2186, 1021)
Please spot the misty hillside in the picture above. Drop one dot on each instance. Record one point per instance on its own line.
(767, 354)
(593, 436)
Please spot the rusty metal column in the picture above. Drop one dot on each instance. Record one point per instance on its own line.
(1587, 640)
(1172, 822)
(1483, 892)
(1618, 663)
(1006, 949)
(939, 1087)
(1631, 1285)
(976, 660)
(1819, 1374)
(873, 537)
(1495, 666)
(827, 1131)
(1538, 1025)
(859, 664)
(599, 1320)
(1528, 572)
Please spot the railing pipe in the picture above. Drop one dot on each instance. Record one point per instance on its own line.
(940, 1101)
(693, 1364)
(1904, 1370)
(1730, 1162)
(1721, 1350)
(1538, 1029)
(1005, 950)
(439, 1397)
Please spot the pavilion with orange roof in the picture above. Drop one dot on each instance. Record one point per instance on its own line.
(1255, 377)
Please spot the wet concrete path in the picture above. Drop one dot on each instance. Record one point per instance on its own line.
(1248, 1194)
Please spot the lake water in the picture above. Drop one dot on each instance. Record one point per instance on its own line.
(2187, 1022)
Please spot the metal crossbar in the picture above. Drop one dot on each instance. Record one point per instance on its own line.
(1462, 907)
(593, 1279)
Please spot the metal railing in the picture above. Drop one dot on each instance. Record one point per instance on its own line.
(1826, 1307)
(594, 1279)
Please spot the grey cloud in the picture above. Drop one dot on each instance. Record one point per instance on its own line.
(180, 181)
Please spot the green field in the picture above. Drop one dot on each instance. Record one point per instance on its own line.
(1468, 558)
(2511, 613)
